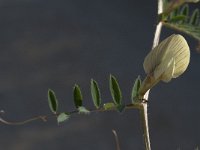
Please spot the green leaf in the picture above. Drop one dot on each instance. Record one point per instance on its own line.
(78, 98)
(185, 12)
(194, 19)
(121, 108)
(53, 102)
(109, 106)
(193, 31)
(83, 110)
(95, 92)
(115, 91)
(62, 117)
(176, 11)
(178, 18)
(135, 89)
(173, 14)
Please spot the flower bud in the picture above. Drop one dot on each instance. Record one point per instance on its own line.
(166, 61)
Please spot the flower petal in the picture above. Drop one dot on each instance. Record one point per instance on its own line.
(155, 56)
(181, 55)
(167, 76)
(158, 59)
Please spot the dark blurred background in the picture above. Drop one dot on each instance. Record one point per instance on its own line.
(55, 44)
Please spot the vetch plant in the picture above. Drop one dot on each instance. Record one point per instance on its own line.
(167, 60)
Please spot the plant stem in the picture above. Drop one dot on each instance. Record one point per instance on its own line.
(144, 109)
(116, 139)
(44, 118)
(145, 126)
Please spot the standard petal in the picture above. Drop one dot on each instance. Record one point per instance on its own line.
(181, 55)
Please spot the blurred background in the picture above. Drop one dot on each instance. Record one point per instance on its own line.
(55, 44)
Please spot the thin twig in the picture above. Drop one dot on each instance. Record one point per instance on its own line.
(43, 118)
(116, 139)
(46, 117)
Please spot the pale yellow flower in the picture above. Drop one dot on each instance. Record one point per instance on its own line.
(166, 61)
